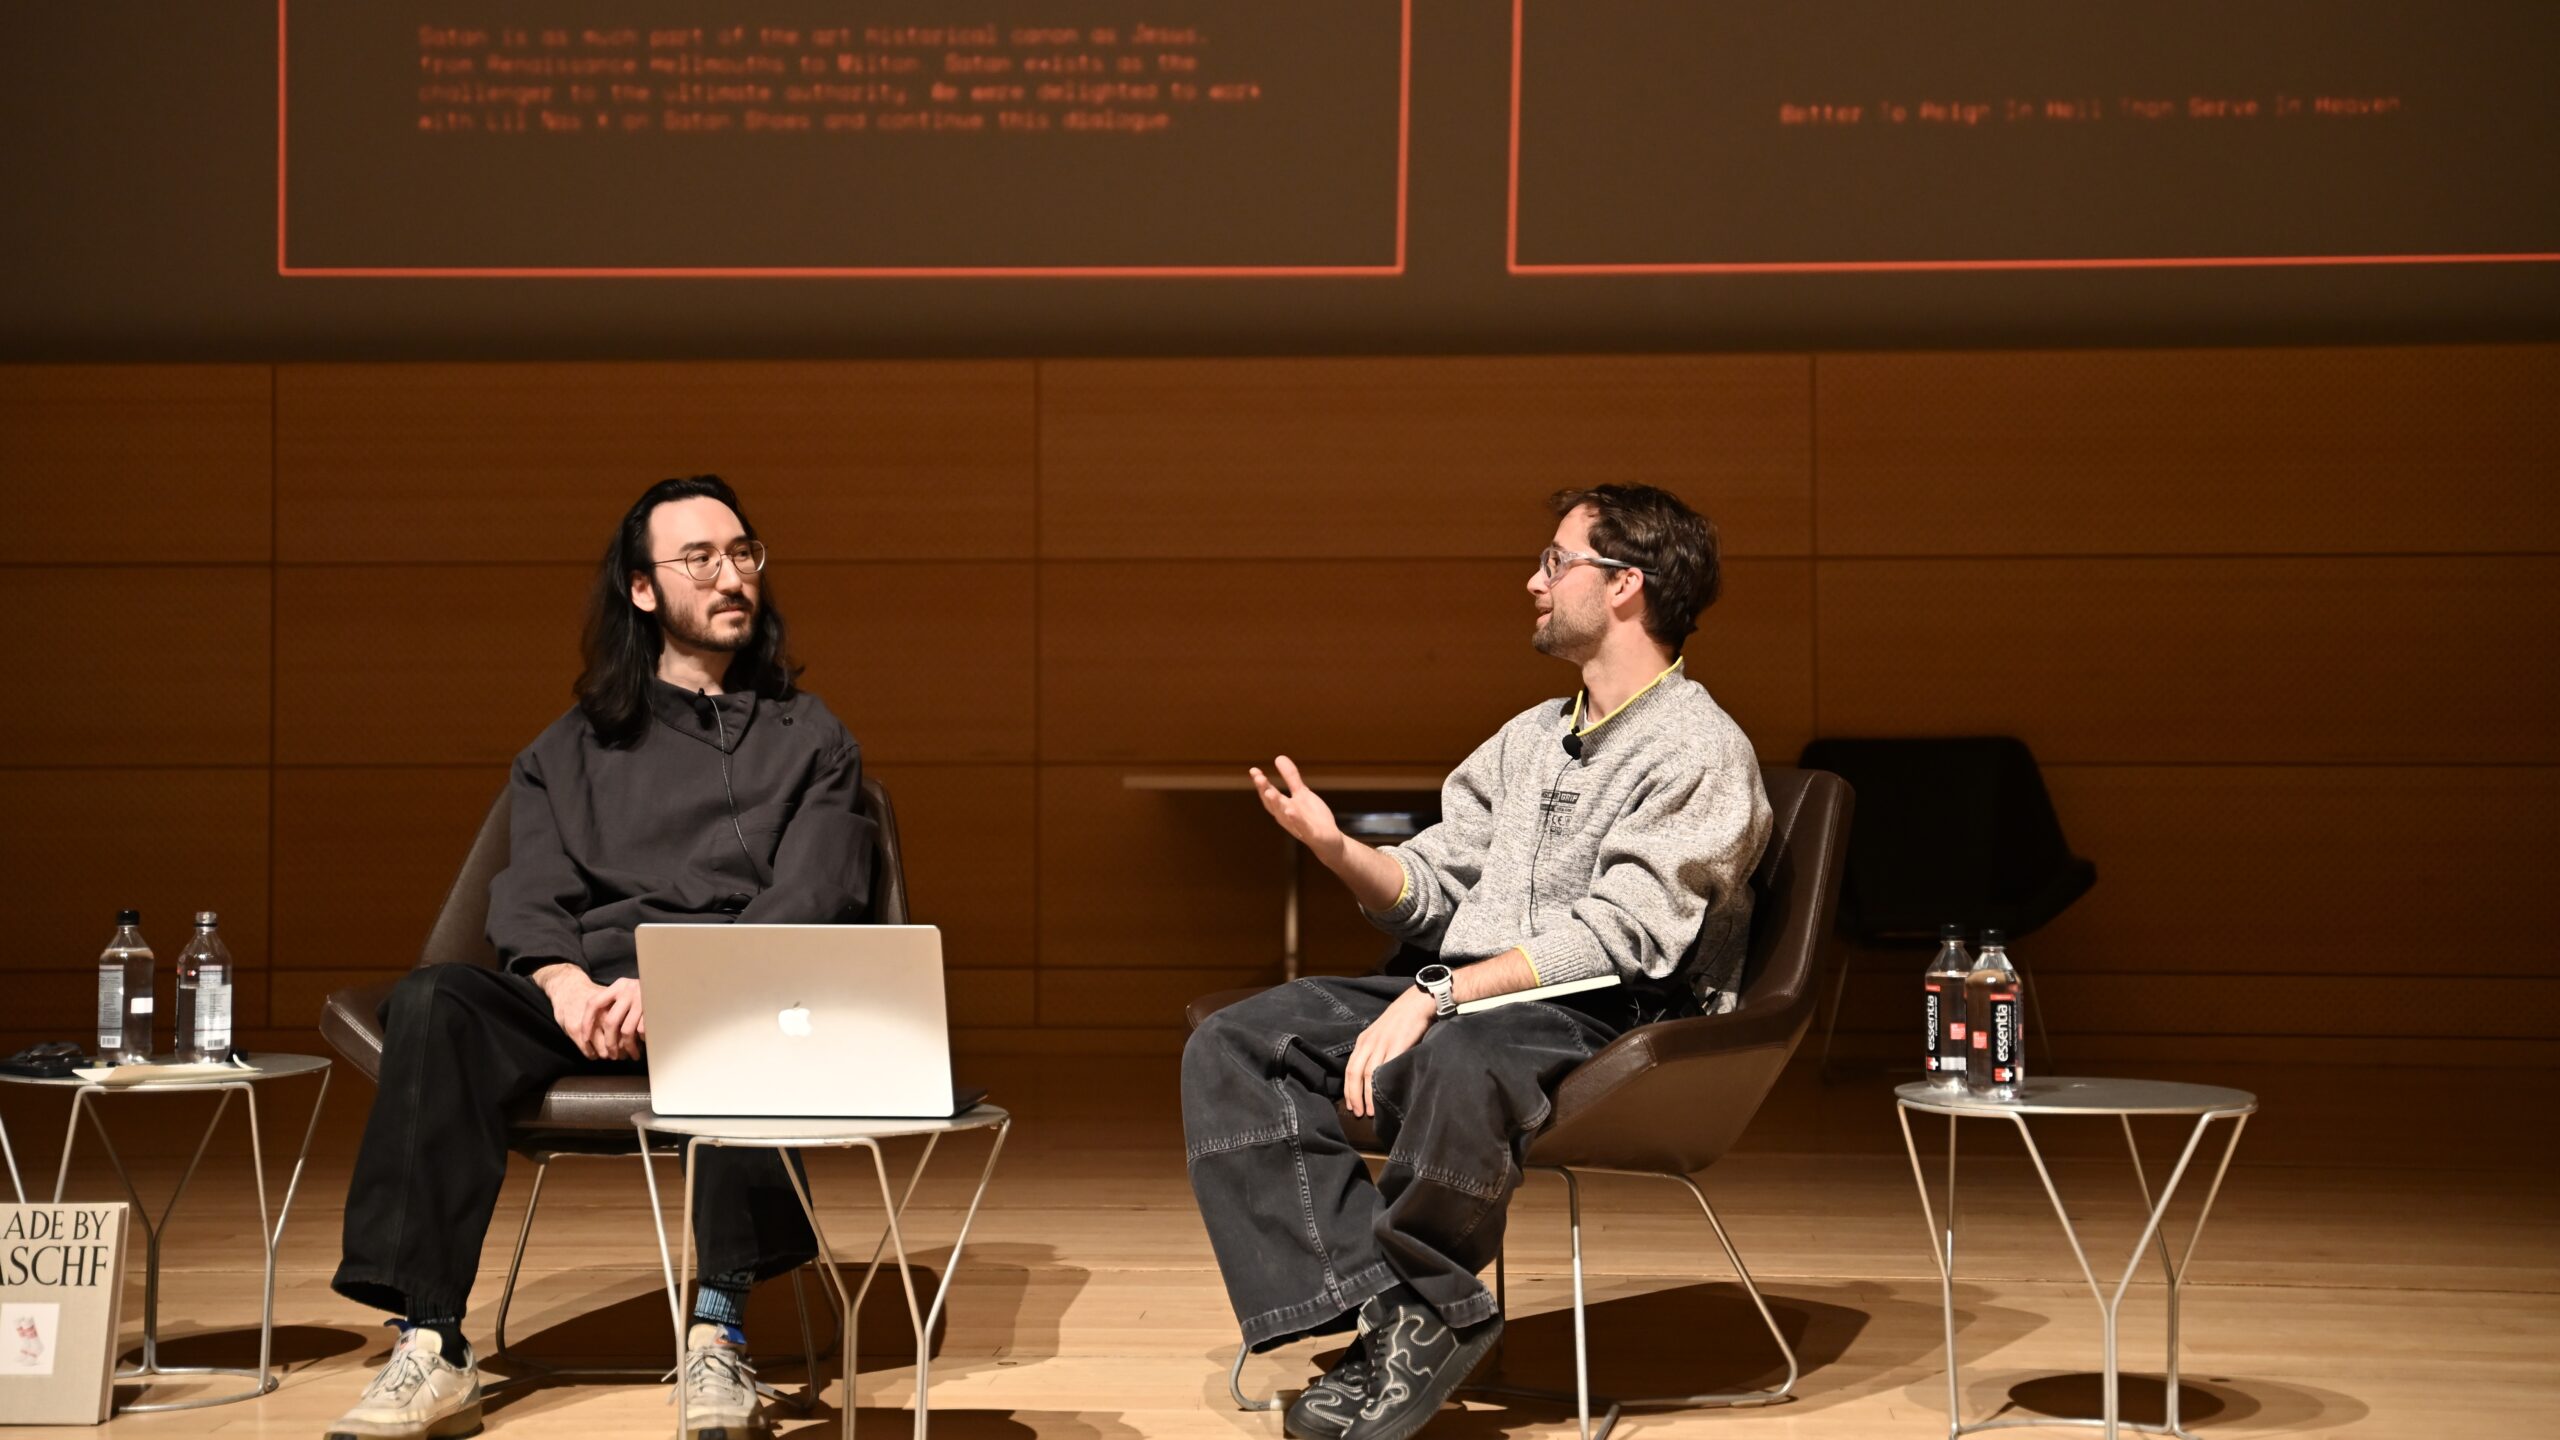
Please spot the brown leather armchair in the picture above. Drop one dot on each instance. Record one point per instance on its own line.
(583, 1115)
(1667, 1100)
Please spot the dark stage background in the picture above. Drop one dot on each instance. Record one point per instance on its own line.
(1074, 177)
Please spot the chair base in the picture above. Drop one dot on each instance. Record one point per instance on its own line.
(1580, 1397)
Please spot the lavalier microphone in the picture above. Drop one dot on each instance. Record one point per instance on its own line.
(1573, 745)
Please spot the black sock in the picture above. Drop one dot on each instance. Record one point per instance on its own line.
(457, 1351)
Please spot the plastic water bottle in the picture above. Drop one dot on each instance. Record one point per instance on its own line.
(1942, 988)
(1994, 1007)
(124, 994)
(204, 994)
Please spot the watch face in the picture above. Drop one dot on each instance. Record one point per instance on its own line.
(1432, 975)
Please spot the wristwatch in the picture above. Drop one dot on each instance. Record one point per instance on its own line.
(1442, 986)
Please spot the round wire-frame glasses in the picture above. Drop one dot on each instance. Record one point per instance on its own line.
(703, 565)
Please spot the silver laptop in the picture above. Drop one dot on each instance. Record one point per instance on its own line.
(797, 1020)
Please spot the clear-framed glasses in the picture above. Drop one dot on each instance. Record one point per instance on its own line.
(703, 563)
(1555, 560)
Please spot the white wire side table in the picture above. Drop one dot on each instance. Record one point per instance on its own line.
(2066, 1095)
(243, 1082)
(826, 1134)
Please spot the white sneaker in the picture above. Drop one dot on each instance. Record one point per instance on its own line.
(719, 1388)
(420, 1395)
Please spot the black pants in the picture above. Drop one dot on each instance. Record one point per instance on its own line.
(1301, 1232)
(464, 1046)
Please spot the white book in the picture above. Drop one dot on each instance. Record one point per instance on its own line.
(61, 1297)
(1538, 992)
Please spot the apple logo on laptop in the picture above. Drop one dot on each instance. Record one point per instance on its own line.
(795, 1021)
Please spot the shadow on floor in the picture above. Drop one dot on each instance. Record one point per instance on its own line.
(296, 1346)
(994, 1286)
(2216, 1398)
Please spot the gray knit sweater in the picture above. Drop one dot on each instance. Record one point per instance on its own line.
(1633, 858)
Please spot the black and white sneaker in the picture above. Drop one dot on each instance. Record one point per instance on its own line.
(1417, 1363)
(1326, 1408)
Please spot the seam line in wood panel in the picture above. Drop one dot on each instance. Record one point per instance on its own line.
(904, 559)
(459, 766)
(275, 604)
(1813, 538)
(1039, 640)
(2006, 556)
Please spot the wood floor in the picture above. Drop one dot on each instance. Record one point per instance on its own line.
(2384, 1261)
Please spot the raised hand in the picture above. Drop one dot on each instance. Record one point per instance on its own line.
(1300, 811)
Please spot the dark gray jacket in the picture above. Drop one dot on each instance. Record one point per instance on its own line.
(604, 840)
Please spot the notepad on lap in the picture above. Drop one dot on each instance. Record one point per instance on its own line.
(1538, 992)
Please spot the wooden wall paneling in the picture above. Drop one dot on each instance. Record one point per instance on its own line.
(1387, 458)
(149, 665)
(365, 857)
(982, 999)
(1143, 998)
(997, 1045)
(1355, 662)
(1135, 879)
(2405, 449)
(140, 463)
(453, 664)
(438, 463)
(2342, 870)
(924, 662)
(80, 845)
(444, 664)
(2402, 660)
(970, 834)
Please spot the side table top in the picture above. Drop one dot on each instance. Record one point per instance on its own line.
(265, 1066)
(815, 1130)
(2086, 1095)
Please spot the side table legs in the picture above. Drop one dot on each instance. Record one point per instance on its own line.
(270, 1234)
(16, 1187)
(848, 1302)
(2110, 1304)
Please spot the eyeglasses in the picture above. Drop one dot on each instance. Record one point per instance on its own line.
(1555, 560)
(746, 557)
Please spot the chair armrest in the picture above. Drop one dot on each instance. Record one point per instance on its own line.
(1210, 1004)
(351, 1021)
(1670, 1097)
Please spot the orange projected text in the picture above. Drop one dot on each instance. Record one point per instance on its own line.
(1958, 113)
(797, 80)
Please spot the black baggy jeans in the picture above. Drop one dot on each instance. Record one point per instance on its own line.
(1302, 1233)
(463, 1047)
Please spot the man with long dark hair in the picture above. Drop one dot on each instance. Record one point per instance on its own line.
(693, 782)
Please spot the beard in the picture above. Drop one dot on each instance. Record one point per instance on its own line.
(701, 629)
(1571, 633)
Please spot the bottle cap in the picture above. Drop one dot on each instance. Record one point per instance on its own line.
(1994, 935)
(128, 917)
(206, 919)
(1951, 931)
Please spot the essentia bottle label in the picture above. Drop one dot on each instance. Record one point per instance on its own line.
(2003, 1037)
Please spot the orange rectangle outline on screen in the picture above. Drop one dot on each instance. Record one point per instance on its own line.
(1404, 166)
(1511, 244)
